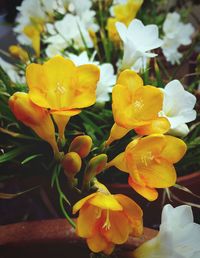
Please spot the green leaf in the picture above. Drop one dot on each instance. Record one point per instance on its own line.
(14, 153)
(31, 158)
(11, 196)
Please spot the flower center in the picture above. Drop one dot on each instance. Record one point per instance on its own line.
(138, 104)
(107, 224)
(145, 158)
(60, 89)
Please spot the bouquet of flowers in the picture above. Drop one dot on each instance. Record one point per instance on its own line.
(92, 81)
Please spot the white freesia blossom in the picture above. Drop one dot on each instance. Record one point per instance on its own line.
(11, 71)
(178, 107)
(176, 34)
(179, 236)
(107, 77)
(138, 41)
(69, 31)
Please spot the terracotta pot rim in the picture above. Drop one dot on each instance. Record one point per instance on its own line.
(56, 231)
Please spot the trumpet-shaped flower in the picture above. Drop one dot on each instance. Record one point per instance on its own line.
(176, 34)
(99, 217)
(136, 106)
(122, 11)
(62, 87)
(138, 41)
(33, 116)
(149, 162)
(178, 107)
(107, 76)
(179, 236)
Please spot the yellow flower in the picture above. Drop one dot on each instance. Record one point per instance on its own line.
(62, 87)
(122, 13)
(149, 162)
(136, 106)
(105, 220)
(33, 116)
(33, 32)
(19, 52)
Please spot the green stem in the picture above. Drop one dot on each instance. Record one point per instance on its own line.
(63, 198)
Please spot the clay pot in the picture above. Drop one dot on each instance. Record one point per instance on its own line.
(53, 238)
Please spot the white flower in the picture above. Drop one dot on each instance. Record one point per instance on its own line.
(176, 34)
(178, 107)
(11, 71)
(70, 29)
(179, 236)
(107, 77)
(138, 41)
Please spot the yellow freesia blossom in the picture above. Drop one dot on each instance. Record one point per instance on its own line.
(19, 52)
(136, 106)
(105, 220)
(122, 13)
(149, 162)
(62, 87)
(34, 116)
(33, 32)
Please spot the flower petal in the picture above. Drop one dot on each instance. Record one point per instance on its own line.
(159, 174)
(119, 162)
(77, 206)
(97, 243)
(174, 149)
(86, 221)
(118, 232)
(131, 80)
(149, 193)
(85, 91)
(116, 133)
(105, 201)
(159, 125)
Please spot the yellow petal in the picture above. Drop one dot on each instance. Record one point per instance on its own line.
(133, 212)
(85, 91)
(174, 150)
(86, 221)
(147, 102)
(131, 208)
(109, 249)
(67, 113)
(119, 228)
(61, 122)
(160, 174)
(140, 152)
(77, 206)
(105, 201)
(97, 243)
(149, 193)
(119, 162)
(131, 80)
(159, 125)
(117, 132)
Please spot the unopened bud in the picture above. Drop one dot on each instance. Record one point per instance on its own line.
(81, 145)
(71, 164)
(95, 166)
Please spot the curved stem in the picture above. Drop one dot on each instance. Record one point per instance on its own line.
(63, 198)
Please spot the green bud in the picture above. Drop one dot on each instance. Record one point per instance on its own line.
(95, 166)
(81, 145)
(72, 164)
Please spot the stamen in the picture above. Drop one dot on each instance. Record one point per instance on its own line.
(60, 88)
(107, 224)
(147, 157)
(138, 104)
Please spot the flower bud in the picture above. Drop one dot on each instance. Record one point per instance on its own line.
(95, 166)
(81, 145)
(71, 164)
(33, 116)
(18, 52)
